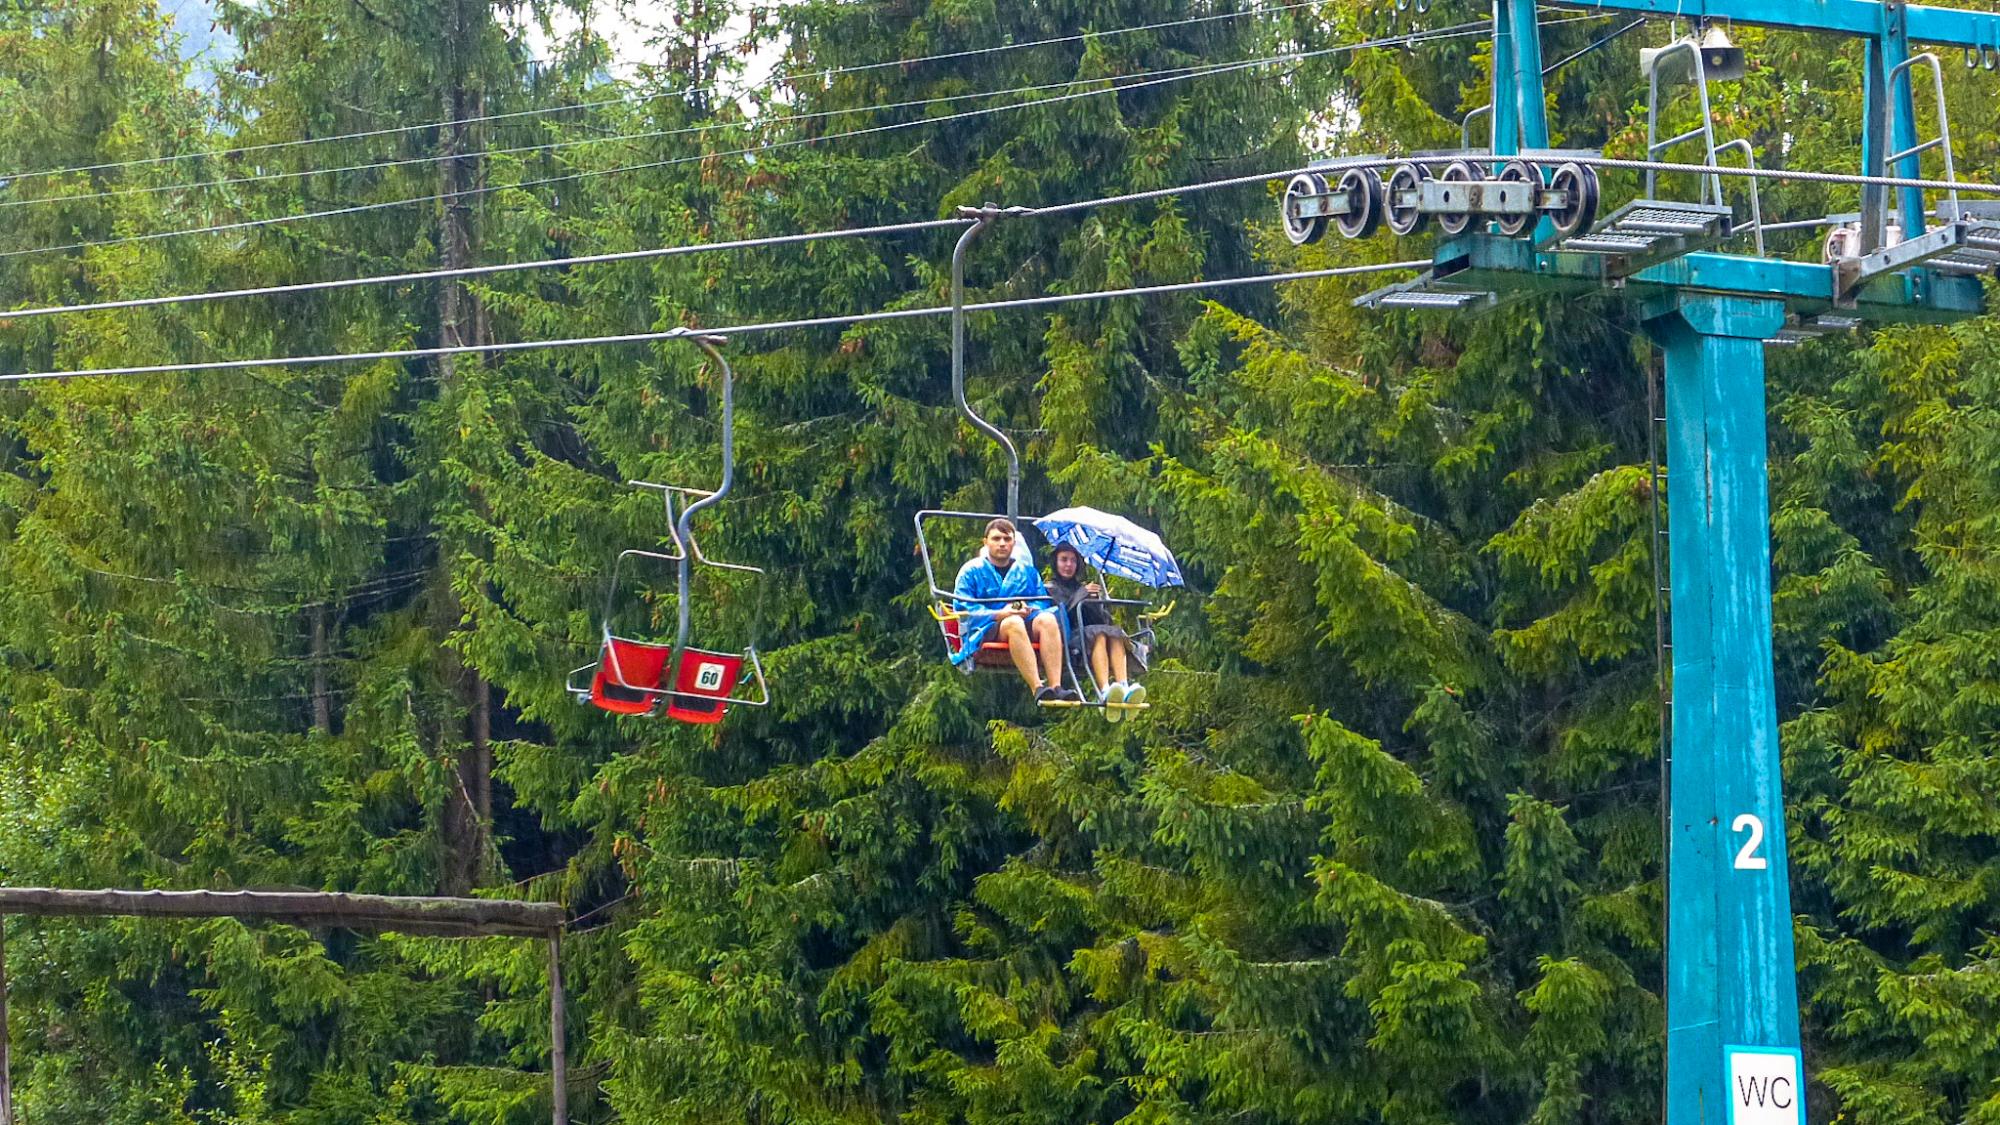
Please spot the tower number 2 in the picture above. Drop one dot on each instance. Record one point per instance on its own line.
(1747, 858)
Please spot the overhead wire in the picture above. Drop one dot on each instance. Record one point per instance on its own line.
(1597, 44)
(1331, 165)
(723, 331)
(642, 99)
(1799, 175)
(1412, 38)
(648, 253)
(483, 271)
(649, 134)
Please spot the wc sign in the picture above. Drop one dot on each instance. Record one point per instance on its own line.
(1766, 1086)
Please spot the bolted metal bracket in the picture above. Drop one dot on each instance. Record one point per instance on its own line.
(1850, 274)
(1332, 205)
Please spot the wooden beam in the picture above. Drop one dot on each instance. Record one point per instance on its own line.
(433, 916)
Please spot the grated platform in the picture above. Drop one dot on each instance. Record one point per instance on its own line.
(1646, 232)
(1426, 292)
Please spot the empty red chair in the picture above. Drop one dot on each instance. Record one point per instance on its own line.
(628, 676)
(704, 685)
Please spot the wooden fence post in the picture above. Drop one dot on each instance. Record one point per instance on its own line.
(558, 1049)
(6, 1059)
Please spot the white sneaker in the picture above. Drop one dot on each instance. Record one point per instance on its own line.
(1135, 694)
(1114, 703)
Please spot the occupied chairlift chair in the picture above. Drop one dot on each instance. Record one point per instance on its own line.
(946, 606)
(633, 677)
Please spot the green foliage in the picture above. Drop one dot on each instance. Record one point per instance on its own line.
(1386, 845)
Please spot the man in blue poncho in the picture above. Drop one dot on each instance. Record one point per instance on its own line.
(1002, 596)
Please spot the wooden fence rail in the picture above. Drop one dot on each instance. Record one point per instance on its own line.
(408, 914)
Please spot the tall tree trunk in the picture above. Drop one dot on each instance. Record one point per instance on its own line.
(461, 321)
(322, 690)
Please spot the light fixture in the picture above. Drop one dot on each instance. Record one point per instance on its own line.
(1721, 59)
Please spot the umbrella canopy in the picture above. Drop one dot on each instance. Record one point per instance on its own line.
(1112, 544)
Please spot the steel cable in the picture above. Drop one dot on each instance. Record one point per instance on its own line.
(650, 134)
(360, 208)
(821, 75)
(725, 331)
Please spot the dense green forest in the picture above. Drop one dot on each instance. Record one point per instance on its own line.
(1386, 848)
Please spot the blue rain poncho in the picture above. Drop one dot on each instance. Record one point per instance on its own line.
(980, 579)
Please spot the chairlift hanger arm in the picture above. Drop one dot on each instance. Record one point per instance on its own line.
(1952, 27)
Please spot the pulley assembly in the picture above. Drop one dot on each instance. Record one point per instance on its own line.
(1455, 192)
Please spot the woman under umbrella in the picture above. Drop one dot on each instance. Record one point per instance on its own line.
(1099, 639)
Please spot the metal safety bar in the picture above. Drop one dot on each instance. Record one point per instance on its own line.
(1942, 142)
(924, 548)
(667, 493)
(1465, 126)
(1742, 145)
(1706, 130)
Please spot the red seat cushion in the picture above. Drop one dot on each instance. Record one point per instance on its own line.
(992, 654)
(628, 675)
(996, 654)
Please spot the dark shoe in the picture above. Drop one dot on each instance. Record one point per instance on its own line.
(1046, 695)
(1068, 695)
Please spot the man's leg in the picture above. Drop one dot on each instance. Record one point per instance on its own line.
(1018, 647)
(1048, 634)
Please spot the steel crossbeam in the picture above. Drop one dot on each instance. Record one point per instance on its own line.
(1947, 27)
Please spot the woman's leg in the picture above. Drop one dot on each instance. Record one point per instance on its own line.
(1048, 634)
(1097, 662)
(1118, 665)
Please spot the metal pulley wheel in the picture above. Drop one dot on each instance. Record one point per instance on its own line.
(1302, 229)
(1457, 172)
(1518, 172)
(1363, 187)
(1580, 185)
(1411, 219)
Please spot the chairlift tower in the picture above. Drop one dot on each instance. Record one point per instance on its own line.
(1732, 997)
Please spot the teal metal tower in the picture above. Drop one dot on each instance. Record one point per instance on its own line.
(1733, 1042)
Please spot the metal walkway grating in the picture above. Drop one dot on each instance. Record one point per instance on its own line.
(1646, 232)
(1426, 292)
(1980, 255)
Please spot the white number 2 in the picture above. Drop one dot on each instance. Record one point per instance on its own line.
(1747, 858)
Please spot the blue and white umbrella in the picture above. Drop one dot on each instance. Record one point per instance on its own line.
(1112, 544)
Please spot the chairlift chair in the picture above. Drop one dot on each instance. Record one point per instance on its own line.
(634, 676)
(948, 608)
